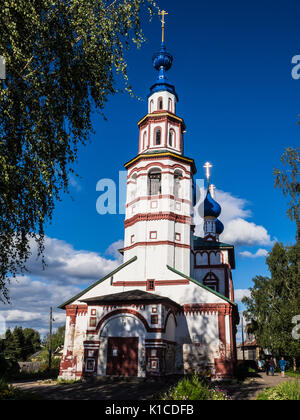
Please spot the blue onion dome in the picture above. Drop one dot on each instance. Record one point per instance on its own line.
(162, 62)
(211, 207)
(162, 59)
(219, 227)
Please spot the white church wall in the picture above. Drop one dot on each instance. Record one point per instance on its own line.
(197, 337)
(79, 338)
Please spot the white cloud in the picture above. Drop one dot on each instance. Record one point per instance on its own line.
(259, 253)
(15, 315)
(238, 230)
(239, 294)
(242, 232)
(67, 273)
(113, 250)
(66, 265)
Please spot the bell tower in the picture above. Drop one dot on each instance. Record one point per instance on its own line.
(160, 184)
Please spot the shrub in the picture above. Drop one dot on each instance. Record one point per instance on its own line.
(285, 391)
(8, 367)
(35, 376)
(293, 374)
(195, 388)
(8, 392)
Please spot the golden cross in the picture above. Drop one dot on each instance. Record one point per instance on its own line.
(163, 13)
(207, 166)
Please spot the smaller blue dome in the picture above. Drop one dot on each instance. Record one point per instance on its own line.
(211, 207)
(219, 227)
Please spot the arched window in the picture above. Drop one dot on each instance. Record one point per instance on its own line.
(144, 140)
(211, 281)
(160, 104)
(151, 106)
(170, 107)
(177, 183)
(154, 182)
(172, 138)
(201, 258)
(133, 186)
(157, 137)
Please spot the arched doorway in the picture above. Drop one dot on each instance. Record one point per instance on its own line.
(125, 337)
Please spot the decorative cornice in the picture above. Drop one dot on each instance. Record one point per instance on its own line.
(155, 243)
(177, 218)
(163, 155)
(215, 308)
(158, 197)
(158, 115)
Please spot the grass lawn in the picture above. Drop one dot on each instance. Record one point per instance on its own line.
(292, 374)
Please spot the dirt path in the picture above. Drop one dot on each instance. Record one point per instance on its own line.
(252, 386)
(138, 389)
(104, 389)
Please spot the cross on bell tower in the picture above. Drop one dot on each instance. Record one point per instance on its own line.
(163, 13)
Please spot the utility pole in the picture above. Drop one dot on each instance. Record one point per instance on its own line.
(243, 348)
(50, 339)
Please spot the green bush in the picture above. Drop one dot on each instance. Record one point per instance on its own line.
(195, 388)
(8, 367)
(285, 391)
(35, 376)
(8, 392)
(293, 374)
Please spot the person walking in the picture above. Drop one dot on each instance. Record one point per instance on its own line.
(282, 365)
(267, 366)
(272, 366)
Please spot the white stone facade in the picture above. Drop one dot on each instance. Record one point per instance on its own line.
(182, 315)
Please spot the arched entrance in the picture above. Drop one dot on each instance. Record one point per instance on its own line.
(124, 335)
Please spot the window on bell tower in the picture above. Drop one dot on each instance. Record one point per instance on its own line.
(177, 183)
(157, 137)
(160, 104)
(154, 182)
(151, 106)
(172, 138)
(144, 140)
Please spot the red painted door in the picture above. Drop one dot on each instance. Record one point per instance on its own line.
(122, 357)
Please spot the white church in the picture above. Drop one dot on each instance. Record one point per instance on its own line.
(169, 308)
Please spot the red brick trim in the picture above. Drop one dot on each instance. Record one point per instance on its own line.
(158, 197)
(157, 283)
(199, 308)
(73, 310)
(171, 282)
(162, 165)
(130, 283)
(126, 311)
(145, 217)
(222, 329)
(175, 244)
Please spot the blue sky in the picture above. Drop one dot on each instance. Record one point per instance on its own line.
(232, 72)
